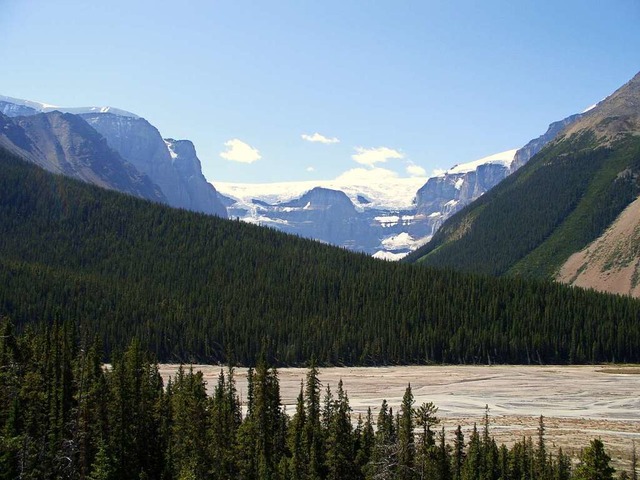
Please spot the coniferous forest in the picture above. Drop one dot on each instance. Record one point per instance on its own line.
(191, 287)
(64, 415)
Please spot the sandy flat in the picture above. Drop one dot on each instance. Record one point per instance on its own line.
(579, 403)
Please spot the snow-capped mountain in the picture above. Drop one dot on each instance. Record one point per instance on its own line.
(64, 144)
(400, 214)
(12, 107)
(171, 165)
(445, 194)
(387, 217)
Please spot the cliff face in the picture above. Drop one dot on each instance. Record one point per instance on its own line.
(524, 154)
(140, 143)
(201, 195)
(65, 144)
(444, 195)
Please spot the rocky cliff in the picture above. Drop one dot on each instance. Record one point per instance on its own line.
(140, 143)
(64, 143)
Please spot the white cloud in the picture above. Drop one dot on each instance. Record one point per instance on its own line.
(371, 156)
(416, 170)
(311, 169)
(239, 151)
(366, 175)
(318, 138)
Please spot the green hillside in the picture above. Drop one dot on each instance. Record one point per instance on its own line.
(194, 287)
(564, 198)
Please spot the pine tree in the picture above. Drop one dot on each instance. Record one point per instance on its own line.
(458, 454)
(406, 443)
(594, 463)
(366, 444)
(299, 461)
(313, 432)
(339, 447)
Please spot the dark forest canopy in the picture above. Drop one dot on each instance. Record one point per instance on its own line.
(192, 287)
(63, 415)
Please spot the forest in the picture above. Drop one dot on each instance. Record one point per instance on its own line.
(555, 205)
(196, 288)
(64, 414)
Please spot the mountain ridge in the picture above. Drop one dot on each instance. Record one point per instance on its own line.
(561, 201)
(191, 287)
(140, 146)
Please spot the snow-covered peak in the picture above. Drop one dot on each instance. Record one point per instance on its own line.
(393, 193)
(503, 158)
(45, 107)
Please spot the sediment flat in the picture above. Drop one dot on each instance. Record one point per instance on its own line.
(578, 403)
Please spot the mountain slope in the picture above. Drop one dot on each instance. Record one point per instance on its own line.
(140, 143)
(195, 287)
(177, 171)
(612, 261)
(64, 143)
(563, 199)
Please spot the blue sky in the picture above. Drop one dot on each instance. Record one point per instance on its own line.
(398, 86)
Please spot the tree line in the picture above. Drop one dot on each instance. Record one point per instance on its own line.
(63, 414)
(192, 287)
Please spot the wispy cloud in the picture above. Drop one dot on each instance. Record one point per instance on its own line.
(318, 138)
(311, 169)
(239, 151)
(371, 156)
(416, 170)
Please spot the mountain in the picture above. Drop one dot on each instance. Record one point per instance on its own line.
(355, 212)
(388, 217)
(195, 287)
(445, 194)
(176, 171)
(574, 197)
(64, 143)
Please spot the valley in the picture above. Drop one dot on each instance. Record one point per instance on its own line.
(578, 403)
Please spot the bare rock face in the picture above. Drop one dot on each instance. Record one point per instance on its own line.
(14, 110)
(202, 196)
(326, 215)
(65, 144)
(444, 195)
(534, 146)
(140, 143)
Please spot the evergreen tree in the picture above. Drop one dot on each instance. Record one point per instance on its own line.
(594, 463)
(406, 442)
(313, 432)
(339, 451)
(458, 454)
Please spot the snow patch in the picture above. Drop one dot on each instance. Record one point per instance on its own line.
(388, 193)
(173, 154)
(502, 158)
(389, 256)
(403, 241)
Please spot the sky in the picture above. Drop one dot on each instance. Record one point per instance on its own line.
(290, 90)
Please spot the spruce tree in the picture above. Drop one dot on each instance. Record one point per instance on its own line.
(594, 463)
